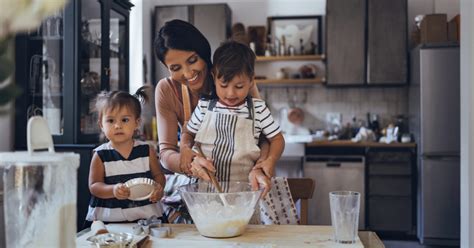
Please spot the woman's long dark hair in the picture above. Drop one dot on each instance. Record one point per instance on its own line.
(181, 35)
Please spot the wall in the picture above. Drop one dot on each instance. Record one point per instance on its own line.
(467, 122)
(386, 102)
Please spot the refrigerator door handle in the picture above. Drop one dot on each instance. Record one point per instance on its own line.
(441, 157)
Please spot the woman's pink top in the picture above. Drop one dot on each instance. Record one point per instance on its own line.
(170, 114)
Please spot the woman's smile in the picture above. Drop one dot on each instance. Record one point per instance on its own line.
(194, 80)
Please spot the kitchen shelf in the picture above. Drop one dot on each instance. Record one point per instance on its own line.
(291, 81)
(290, 58)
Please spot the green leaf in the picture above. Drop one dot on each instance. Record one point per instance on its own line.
(8, 93)
(6, 68)
(4, 45)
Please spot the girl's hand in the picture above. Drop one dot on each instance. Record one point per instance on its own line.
(121, 191)
(186, 157)
(197, 169)
(258, 179)
(157, 193)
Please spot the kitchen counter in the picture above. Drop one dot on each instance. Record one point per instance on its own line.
(348, 143)
(255, 236)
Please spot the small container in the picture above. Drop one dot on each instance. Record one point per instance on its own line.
(160, 232)
(45, 185)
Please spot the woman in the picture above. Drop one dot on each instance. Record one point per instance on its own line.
(184, 50)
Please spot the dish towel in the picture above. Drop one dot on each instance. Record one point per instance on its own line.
(278, 207)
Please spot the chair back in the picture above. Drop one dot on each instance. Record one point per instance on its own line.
(302, 189)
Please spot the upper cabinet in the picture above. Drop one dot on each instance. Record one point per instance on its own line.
(345, 46)
(366, 42)
(66, 62)
(387, 54)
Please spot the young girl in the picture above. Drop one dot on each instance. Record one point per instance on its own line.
(121, 159)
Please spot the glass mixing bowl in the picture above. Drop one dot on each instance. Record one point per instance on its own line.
(220, 215)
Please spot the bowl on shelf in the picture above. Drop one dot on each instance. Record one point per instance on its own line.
(220, 215)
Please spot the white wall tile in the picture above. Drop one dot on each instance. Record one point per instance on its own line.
(385, 102)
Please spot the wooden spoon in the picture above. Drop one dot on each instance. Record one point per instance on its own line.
(209, 174)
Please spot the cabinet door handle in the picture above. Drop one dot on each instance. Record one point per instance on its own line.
(333, 164)
(107, 71)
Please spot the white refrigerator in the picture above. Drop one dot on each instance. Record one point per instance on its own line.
(434, 120)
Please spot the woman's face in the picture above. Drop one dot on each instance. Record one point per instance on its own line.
(187, 67)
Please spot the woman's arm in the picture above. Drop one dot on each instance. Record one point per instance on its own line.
(157, 175)
(156, 172)
(187, 155)
(277, 145)
(167, 124)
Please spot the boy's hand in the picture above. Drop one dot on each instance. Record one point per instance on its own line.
(186, 158)
(157, 193)
(257, 178)
(267, 166)
(121, 191)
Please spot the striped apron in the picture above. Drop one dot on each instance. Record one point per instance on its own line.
(229, 140)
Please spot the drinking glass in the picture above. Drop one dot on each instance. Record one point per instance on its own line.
(344, 215)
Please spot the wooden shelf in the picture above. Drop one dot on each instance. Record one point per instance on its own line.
(291, 81)
(290, 58)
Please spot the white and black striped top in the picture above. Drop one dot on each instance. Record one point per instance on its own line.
(264, 122)
(119, 170)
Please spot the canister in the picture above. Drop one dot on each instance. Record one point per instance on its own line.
(39, 198)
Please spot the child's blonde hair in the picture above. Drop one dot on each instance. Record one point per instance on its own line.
(110, 100)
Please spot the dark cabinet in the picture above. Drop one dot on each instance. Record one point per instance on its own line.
(66, 62)
(366, 42)
(345, 45)
(387, 54)
(391, 187)
(62, 66)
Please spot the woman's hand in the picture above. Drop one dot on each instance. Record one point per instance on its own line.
(121, 191)
(157, 194)
(186, 157)
(267, 166)
(257, 178)
(198, 165)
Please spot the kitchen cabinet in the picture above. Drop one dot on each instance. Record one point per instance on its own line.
(389, 179)
(366, 42)
(387, 53)
(345, 45)
(319, 79)
(213, 20)
(62, 66)
(334, 173)
(391, 186)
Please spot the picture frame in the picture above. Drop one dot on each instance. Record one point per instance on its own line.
(302, 35)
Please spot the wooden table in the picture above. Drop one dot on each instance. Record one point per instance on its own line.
(255, 236)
